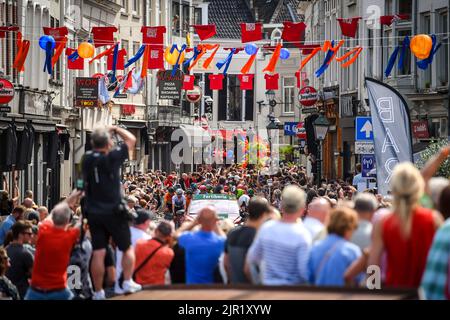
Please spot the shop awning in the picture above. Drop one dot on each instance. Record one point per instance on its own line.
(133, 124)
(195, 135)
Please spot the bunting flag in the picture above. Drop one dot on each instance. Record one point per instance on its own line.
(246, 81)
(355, 52)
(188, 82)
(208, 61)
(153, 35)
(423, 64)
(205, 32)
(272, 81)
(349, 26)
(137, 82)
(136, 57)
(273, 60)
(226, 62)
(126, 83)
(309, 57)
(246, 68)
(391, 62)
(216, 81)
(156, 59)
(59, 49)
(114, 66)
(294, 32)
(57, 33)
(120, 60)
(197, 51)
(145, 62)
(180, 51)
(103, 93)
(103, 53)
(23, 47)
(388, 20)
(74, 63)
(332, 51)
(251, 32)
(4, 29)
(103, 36)
(48, 57)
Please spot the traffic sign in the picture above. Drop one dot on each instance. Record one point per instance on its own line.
(290, 128)
(364, 147)
(6, 91)
(367, 165)
(301, 131)
(364, 129)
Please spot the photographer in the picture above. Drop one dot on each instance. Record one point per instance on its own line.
(106, 212)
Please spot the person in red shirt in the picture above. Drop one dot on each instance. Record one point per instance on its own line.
(152, 270)
(54, 245)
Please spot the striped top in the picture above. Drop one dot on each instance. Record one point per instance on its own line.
(282, 251)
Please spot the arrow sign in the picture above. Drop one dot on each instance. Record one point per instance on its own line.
(367, 128)
(364, 129)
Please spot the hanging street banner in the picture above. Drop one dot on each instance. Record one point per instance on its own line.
(169, 87)
(86, 92)
(391, 130)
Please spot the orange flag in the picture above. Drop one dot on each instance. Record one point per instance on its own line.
(274, 60)
(246, 68)
(356, 51)
(145, 61)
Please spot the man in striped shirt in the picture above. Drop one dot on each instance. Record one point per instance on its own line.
(281, 248)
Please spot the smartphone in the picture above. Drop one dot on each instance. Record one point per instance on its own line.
(80, 184)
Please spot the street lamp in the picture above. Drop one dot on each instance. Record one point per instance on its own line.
(321, 126)
(270, 96)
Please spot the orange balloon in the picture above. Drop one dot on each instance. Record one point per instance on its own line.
(421, 46)
(171, 58)
(86, 50)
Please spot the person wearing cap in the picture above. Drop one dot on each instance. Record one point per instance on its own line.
(168, 199)
(203, 248)
(138, 231)
(203, 189)
(178, 201)
(153, 271)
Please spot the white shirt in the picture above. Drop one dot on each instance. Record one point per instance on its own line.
(282, 251)
(314, 226)
(136, 234)
(244, 198)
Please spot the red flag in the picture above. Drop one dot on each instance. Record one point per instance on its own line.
(188, 82)
(103, 36)
(205, 31)
(251, 32)
(57, 33)
(388, 20)
(3, 30)
(246, 81)
(294, 32)
(78, 64)
(120, 60)
(153, 35)
(349, 26)
(216, 81)
(156, 59)
(272, 81)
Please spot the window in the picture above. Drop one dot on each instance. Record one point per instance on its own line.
(234, 108)
(137, 6)
(136, 46)
(125, 45)
(387, 47)
(288, 94)
(405, 7)
(406, 67)
(425, 26)
(175, 18)
(125, 5)
(443, 53)
(198, 16)
(388, 7)
(56, 74)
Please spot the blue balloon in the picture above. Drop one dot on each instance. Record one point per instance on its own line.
(284, 54)
(44, 40)
(251, 49)
(230, 154)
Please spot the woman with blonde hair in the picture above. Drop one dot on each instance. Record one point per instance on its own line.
(407, 233)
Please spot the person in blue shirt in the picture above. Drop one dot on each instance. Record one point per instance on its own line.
(203, 247)
(330, 258)
(17, 214)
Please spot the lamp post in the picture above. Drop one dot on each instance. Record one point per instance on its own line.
(321, 126)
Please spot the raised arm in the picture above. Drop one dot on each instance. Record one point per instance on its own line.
(434, 163)
(128, 138)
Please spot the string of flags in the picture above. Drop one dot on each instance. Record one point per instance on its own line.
(152, 53)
